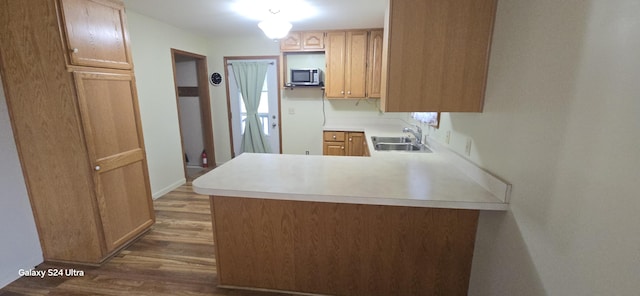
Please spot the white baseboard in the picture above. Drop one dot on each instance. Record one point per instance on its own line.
(168, 189)
(8, 275)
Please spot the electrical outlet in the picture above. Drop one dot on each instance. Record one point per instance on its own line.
(447, 138)
(467, 148)
(292, 111)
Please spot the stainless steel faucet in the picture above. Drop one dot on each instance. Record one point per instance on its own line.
(417, 133)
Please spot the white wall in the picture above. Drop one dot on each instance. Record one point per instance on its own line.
(562, 123)
(151, 43)
(19, 244)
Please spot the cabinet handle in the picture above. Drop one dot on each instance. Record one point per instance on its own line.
(342, 147)
(334, 137)
(74, 50)
(97, 168)
(342, 92)
(349, 92)
(350, 139)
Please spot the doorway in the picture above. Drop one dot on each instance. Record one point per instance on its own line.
(194, 112)
(268, 110)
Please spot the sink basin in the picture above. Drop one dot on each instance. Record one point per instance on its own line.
(375, 140)
(397, 144)
(401, 147)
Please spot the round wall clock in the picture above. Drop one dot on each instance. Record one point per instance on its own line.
(215, 79)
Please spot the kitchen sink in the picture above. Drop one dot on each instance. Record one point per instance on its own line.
(376, 140)
(398, 144)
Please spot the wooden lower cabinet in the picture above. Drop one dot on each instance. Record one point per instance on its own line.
(343, 143)
(342, 249)
(334, 148)
(333, 143)
(356, 144)
(78, 134)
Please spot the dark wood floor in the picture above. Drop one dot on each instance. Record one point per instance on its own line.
(174, 258)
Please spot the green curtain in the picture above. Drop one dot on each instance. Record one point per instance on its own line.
(250, 79)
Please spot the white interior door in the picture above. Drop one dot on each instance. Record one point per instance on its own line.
(268, 108)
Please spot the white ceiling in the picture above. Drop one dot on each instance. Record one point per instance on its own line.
(218, 18)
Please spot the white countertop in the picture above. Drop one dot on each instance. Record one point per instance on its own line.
(386, 178)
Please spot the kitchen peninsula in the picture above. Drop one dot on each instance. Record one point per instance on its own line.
(394, 223)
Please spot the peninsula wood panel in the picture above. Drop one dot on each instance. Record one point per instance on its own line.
(342, 249)
(436, 55)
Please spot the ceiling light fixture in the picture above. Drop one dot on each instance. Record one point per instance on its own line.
(275, 27)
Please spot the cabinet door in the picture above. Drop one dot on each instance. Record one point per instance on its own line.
(291, 43)
(356, 68)
(356, 144)
(334, 148)
(312, 40)
(374, 67)
(111, 122)
(436, 60)
(96, 34)
(335, 58)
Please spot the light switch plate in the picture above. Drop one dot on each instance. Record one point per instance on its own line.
(467, 148)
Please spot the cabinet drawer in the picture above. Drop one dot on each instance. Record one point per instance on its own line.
(334, 136)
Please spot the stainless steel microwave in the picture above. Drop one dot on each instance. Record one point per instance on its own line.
(306, 76)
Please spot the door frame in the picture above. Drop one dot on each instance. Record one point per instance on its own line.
(205, 105)
(279, 83)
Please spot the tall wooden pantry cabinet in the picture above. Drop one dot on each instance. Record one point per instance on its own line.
(68, 78)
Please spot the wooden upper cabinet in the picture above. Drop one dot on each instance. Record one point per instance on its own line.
(303, 41)
(356, 72)
(374, 65)
(313, 40)
(95, 33)
(335, 64)
(292, 42)
(435, 55)
(346, 60)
